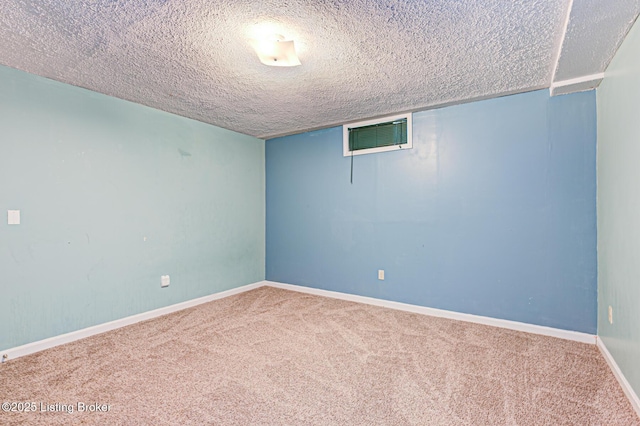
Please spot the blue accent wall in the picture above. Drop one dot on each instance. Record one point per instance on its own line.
(493, 212)
(112, 196)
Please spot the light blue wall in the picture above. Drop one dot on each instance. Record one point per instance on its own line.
(619, 207)
(492, 213)
(93, 177)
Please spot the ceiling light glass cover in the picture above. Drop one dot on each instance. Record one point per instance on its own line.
(276, 52)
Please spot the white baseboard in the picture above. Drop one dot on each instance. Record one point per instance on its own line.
(512, 325)
(41, 345)
(51, 342)
(626, 387)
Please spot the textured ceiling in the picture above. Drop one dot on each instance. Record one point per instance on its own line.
(594, 32)
(360, 58)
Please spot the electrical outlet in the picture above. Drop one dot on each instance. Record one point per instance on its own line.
(381, 274)
(610, 315)
(165, 280)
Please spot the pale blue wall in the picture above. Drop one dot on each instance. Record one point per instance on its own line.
(619, 207)
(492, 213)
(93, 176)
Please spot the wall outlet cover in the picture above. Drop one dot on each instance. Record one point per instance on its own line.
(165, 280)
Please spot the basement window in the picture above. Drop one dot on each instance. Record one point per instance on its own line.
(379, 135)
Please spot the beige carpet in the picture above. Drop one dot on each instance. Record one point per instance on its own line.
(276, 357)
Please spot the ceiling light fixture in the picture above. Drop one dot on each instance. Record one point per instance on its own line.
(276, 52)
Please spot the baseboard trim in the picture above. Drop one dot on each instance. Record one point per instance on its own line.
(51, 342)
(512, 325)
(626, 386)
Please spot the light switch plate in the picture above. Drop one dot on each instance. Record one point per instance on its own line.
(13, 217)
(381, 274)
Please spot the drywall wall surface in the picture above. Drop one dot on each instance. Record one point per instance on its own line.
(619, 208)
(113, 195)
(491, 213)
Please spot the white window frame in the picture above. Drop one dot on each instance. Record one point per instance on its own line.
(345, 135)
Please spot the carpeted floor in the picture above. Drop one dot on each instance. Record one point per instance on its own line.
(277, 357)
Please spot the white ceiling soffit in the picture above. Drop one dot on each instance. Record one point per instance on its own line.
(360, 58)
(594, 32)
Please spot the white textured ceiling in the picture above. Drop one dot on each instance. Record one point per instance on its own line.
(360, 58)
